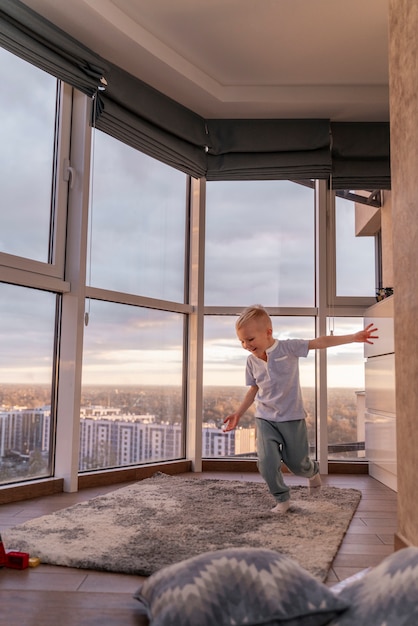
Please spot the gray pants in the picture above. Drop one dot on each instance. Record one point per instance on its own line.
(287, 442)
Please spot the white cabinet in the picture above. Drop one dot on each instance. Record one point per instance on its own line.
(380, 415)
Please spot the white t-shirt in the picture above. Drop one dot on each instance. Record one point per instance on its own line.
(279, 397)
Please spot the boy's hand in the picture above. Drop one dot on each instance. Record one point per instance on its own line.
(365, 335)
(230, 422)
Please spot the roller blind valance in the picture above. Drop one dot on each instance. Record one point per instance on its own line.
(218, 149)
(360, 155)
(147, 120)
(352, 155)
(36, 40)
(268, 149)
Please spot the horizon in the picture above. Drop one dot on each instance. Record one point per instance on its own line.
(126, 385)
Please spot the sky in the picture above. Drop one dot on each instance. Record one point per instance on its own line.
(259, 250)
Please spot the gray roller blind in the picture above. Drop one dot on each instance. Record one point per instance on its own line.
(360, 155)
(36, 40)
(268, 149)
(147, 120)
(353, 155)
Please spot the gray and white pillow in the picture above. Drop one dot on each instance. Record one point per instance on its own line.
(386, 596)
(237, 586)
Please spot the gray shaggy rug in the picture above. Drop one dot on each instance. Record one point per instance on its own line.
(164, 519)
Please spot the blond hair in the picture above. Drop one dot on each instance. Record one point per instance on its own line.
(254, 313)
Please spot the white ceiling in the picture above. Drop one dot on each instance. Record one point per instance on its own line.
(244, 58)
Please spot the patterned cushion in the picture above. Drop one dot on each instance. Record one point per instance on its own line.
(385, 596)
(237, 586)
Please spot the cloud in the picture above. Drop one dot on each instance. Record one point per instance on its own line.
(260, 244)
(138, 222)
(27, 323)
(27, 114)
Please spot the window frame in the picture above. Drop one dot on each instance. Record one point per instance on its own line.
(335, 301)
(50, 275)
(67, 269)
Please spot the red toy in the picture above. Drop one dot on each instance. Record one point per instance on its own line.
(13, 559)
(17, 560)
(3, 556)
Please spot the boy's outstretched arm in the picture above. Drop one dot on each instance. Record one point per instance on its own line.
(232, 420)
(328, 341)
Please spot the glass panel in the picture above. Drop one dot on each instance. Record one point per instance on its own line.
(137, 222)
(27, 126)
(259, 244)
(132, 400)
(27, 325)
(345, 369)
(355, 256)
(224, 384)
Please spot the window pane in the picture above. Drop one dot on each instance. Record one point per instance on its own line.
(27, 126)
(345, 369)
(132, 401)
(355, 256)
(224, 384)
(27, 325)
(259, 244)
(137, 222)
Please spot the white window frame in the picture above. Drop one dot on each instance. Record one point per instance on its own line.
(50, 275)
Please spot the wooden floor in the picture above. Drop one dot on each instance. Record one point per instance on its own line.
(50, 595)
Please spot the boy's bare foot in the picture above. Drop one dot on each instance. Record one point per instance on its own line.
(315, 481)
(281, 507)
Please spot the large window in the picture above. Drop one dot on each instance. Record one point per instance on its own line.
(27, 338)
(132, 407)
(32, 231)
(260, 242)
(260, 248)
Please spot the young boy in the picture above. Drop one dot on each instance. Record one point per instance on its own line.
(272, 374)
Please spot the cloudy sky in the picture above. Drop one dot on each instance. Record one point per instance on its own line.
(260, 248)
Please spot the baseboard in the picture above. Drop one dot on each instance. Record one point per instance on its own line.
(250, 465)
(115, 476)
(229, 465)
(50, 486)
(400, 542)
(33, 489)
(348, 467)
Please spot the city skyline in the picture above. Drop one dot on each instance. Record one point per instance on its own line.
(125, 426)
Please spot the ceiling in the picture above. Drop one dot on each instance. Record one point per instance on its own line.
(244, 58)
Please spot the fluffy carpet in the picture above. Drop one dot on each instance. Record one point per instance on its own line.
(164, 519)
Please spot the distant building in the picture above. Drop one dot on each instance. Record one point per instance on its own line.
(216, 443)
(112, 439)
(245, 441)
(24, 430)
